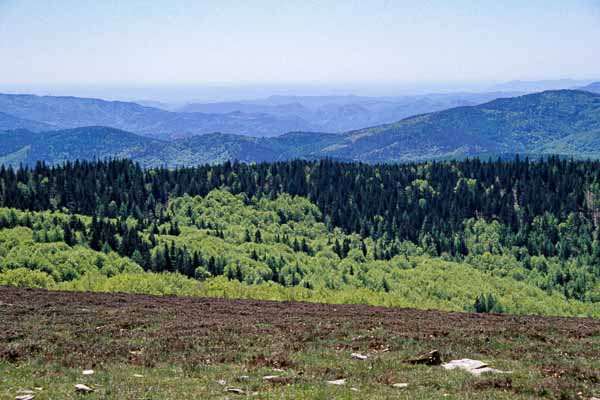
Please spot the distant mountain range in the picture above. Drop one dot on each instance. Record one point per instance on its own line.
(563, 122)
(339, 114)
(593, 87)
(8, 121)
(539, 86)
(261, 118)
(74, 112)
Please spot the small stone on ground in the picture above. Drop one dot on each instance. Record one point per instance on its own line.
(234, 390)
(337, 382)
(474, 367)
(81, 388)
(270, 377)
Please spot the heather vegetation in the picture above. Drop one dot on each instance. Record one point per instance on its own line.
(152, 347)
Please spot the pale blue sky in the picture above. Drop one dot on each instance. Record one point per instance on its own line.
(304, 41)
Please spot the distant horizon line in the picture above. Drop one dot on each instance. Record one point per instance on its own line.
(217, 84)
(215, 92)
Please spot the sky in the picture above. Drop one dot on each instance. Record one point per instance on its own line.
(303, 42)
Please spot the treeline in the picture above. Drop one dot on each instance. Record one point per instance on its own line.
(423, 203)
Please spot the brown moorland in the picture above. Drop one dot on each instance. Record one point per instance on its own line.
(142, 346)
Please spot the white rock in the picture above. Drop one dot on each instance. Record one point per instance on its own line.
(138, 376)
(222, 382)
(337, 382)
(25, 397)
(234, 390)
(88, 372)
(358, 356)
(81, 388)
(474, 367)
(400, 385)
(480, 371)
(464, 363)
(270, 377)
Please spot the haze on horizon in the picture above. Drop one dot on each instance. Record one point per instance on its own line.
(272, 43)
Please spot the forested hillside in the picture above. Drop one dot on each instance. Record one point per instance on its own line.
(519, 237)
(533, 124)
(23, 147)
(565, 122)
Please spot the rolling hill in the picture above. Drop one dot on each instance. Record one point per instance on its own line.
(565, 122)
(98, 142)
(8, 122)
(22, 146)
(75, 112)
(536, 123)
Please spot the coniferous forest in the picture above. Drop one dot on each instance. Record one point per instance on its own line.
(516, 236)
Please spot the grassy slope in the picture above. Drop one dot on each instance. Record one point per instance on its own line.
(182, 347)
